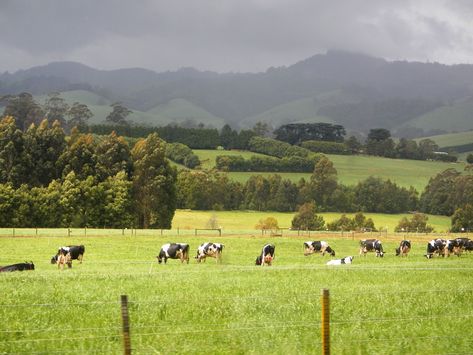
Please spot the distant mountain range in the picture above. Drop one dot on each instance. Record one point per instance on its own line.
(360, 92)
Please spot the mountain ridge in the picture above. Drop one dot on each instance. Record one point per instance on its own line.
(373, 92)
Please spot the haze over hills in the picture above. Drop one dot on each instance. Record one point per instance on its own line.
(357, 91)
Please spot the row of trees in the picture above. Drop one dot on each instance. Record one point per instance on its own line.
(213, 190)
(26, 110)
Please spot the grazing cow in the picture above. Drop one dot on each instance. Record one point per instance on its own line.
(213, 250)
(266, 256)
(468, 245)
(174, 251)
(17, 267)
(368, 245)
(404, 248)
(76, 252)
(345, 260)
(455, 246)
(322, 247)
(436, 246)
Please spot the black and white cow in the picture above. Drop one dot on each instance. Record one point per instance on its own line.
(70, 252)
(404, 248)
(322, 247)
(266, 256)
(174, 251)
(213, 250)
(455, 246)
(368, 245)
(469, 245)
(436, 246)
(17, 267)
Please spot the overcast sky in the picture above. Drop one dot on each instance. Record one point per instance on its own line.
(229, 35)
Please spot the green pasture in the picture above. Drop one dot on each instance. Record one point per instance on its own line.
(377, 305)
(352, 168)
(451, 139)
(239, 221)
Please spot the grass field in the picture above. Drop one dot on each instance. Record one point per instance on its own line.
(352, 168)
(377, 305)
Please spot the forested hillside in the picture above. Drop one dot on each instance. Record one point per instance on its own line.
(357, 91)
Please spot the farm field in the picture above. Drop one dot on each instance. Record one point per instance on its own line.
(352, 168)
(401, 305)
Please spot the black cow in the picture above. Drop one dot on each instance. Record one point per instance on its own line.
(17, 267)
(213, 250)
(368, 245)
(322, 247)
(174, 251)
(266, 256)
(404, 248)
(436, 246)
(69, 253)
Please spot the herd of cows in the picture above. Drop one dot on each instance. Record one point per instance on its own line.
(441, 247)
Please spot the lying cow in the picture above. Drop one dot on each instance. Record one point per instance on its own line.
(368, 245)
(17, 267)
(322, 247)
(404, 248)
(213, 250)
(76, 252)
(436, 246)
(174, 251)
(343, 261)
(266, 256)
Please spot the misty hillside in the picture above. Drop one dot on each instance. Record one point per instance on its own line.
(354, 90)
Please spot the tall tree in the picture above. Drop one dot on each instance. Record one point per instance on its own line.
(119, 114)
(55, 108)
(228, 137)
(43, 147)
(24, 109)
(323, 182)
(154, 184)
(113, 155)
(380, 143)
(80, 156)
(79, 114)
(12, 163)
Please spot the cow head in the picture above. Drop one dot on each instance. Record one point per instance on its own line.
(259, 260)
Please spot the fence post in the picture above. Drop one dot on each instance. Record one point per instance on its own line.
(126, 325)
(325, 322)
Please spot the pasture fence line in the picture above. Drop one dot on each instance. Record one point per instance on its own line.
(192, 231)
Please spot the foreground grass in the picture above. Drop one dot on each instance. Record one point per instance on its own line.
(388, 305)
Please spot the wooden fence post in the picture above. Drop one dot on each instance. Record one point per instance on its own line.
(126, 325)
(325, 322)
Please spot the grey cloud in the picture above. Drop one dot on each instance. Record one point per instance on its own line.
(229, 35)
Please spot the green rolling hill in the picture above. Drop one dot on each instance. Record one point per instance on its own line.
(450, 118)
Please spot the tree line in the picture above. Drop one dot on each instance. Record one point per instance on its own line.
(48, 179)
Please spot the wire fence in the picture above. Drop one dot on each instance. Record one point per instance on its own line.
(111, 330)
(284, 232)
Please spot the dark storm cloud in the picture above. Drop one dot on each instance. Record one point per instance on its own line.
(229, 35)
